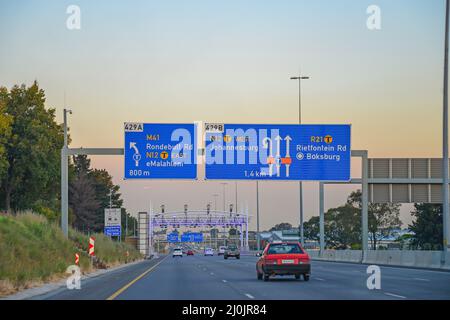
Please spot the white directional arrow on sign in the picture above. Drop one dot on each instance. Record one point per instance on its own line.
(278, 139)
(288, 140)
(266, 142)
(133, 146)
(136, 155)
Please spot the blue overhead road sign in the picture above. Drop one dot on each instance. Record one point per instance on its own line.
(172, 237)
(278, 152)
(192, 237)
(160, 151)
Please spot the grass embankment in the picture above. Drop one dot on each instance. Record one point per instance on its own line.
(34, 251)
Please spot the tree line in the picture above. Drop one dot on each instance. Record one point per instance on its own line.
(30, 162)
(343, 225)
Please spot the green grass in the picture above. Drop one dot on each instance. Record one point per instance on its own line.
(33, 250)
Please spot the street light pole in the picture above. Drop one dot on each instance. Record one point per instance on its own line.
(300, 78)
(65, 179)
(445, 186)
(223, 194)
(236, 196)
(215, 201)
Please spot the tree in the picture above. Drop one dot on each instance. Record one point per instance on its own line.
(84, 204)
(311, 229)
(383, 218)
(32, 149)
(5, 132)
(427, 226)
(97, 188)
(281, 226)
(343, 227)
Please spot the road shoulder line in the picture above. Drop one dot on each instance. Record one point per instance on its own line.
(129, 284)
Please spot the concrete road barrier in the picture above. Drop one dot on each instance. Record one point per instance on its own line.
(404, 258)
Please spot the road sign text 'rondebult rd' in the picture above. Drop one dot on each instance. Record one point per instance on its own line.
(278, 152)
(160, 151)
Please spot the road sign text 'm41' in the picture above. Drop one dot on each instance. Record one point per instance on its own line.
(160, 151)
(278, 152)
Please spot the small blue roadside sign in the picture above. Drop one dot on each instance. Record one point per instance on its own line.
(113, 231)
(278, 152)
(160, 151)
(172, 237)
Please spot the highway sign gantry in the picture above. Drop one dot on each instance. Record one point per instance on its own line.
(160, 151)
(278, 152)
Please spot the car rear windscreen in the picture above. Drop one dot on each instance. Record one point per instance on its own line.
(282, 248)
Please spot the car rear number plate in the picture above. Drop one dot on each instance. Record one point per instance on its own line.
(287, 261)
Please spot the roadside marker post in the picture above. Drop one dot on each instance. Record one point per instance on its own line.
(91, 246)
(77, 258)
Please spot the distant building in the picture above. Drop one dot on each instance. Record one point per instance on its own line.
(282, 235)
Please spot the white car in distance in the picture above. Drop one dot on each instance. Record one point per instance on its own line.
(209, 252)
(177, 252)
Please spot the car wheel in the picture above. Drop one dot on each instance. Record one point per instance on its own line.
(297, 276)
(306, 277)
(266, 277)
(238, 257)
(259, 276)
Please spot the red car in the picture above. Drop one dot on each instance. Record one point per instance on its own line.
(190, 253)
(284, 258)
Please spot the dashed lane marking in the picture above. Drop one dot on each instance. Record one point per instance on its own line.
(394, 295)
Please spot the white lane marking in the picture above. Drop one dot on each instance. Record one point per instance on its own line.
(249, 296)
(442, 272)
(224, 281)
(394, 295)
(421, 279)
(212, 273)
(320, 279)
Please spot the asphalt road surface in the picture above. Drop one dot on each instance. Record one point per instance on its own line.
(213, 278)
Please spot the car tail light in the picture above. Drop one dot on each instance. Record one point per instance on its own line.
(303, 261)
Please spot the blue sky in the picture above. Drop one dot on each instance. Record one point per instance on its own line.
(230, 61)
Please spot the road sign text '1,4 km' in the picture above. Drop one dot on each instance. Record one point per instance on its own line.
(278, 152)
(160, 151)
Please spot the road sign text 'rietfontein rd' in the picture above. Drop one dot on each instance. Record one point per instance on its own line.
(278, 152)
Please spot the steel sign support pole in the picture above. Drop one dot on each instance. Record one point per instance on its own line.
(321, 218)
(365, 204)
(64, 192)
(258, 245)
